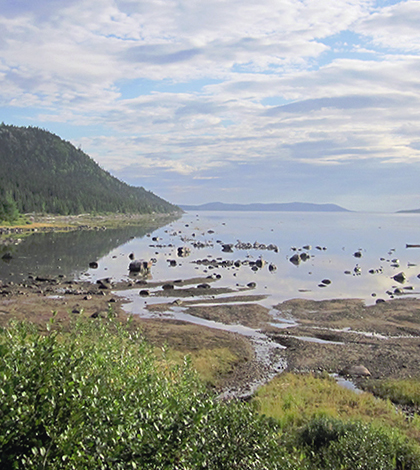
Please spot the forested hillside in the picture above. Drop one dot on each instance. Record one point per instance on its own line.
(40, 172)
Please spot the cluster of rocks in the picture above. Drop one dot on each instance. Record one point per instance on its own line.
(49, 285)
(298, 257)
(357, 271)
(221, 263)
(324, 283)
(140, 266)
(199, 245)
(10, 231)
(228, 247)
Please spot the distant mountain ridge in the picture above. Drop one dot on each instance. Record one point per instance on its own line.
(409, 211)
(261, 207)
(40, 172)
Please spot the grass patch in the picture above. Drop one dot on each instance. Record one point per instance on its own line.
(402, 392)
(211, 365)
(294, 400)
(327, 427)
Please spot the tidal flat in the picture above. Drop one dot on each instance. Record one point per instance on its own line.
(225, 285)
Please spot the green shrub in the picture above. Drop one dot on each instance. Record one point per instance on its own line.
(332, 444)
(98, 398)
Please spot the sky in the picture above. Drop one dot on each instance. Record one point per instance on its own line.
(236, 101)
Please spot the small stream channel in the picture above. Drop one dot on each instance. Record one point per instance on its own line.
(268, 355)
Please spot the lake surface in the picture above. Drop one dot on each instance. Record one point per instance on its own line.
(333, 239)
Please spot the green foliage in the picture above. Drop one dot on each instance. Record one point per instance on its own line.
(332, 444)
(98, 398)
(295, 399)
(403, 392)
(43, 173)
(8, 208)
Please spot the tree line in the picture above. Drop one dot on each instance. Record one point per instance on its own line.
(40, 172)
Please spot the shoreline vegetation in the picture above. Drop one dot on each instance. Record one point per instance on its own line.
(71, 359)
(31, 223)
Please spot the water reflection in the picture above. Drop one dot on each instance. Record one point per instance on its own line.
(331, 269)
(331, 241)
(67, 253)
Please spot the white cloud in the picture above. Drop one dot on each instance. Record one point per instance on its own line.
(394, 27)
(230, 84)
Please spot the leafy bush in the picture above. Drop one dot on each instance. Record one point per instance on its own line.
(97, 398)
(335, 445)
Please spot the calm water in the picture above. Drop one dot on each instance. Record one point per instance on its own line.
(380, 238)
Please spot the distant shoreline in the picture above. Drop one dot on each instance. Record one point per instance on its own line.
(266, 207)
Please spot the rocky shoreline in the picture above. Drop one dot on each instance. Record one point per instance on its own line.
(49, 223)
(324, 336)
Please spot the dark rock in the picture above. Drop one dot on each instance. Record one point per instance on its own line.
(251, 285)
(260, 263)
(272, 267)
(144, 293)
(400, 277)
(45, 279)
(295, 259)
(357, 254)
(140, 266)
(168, 286)
(183, 251)
(326, 281)
(304, 256)
(105, 283)
(131, 256)
(203, 286)
(227, 248)
(93, 265)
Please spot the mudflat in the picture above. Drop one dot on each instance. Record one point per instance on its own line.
(329, 335)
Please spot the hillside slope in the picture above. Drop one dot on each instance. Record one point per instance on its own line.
(40, 172)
